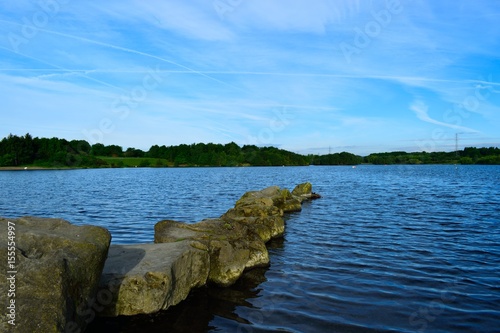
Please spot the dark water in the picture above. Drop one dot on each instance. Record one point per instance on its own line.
(387, 248)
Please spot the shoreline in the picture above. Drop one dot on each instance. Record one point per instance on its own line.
(36, 168)
(39, 168)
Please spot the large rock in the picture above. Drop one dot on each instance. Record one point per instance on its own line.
(266, 227)
(231, 246)
(263, 219)
(147, 278)
(58, 266)
(281, 198)
(236, 241)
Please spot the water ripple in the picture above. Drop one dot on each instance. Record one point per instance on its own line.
(387, 248)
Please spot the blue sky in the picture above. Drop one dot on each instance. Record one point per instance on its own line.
(307, 76)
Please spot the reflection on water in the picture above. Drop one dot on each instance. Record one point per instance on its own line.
(200, 312)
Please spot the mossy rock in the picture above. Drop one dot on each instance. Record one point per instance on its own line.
(58, 270)
(231, 249)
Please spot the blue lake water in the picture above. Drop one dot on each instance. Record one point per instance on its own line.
(387, 248)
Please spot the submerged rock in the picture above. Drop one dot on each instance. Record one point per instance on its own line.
(58, 266)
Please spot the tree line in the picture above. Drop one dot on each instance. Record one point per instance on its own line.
(469, 155)
(55, 152)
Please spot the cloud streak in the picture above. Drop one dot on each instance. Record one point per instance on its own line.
(127, 50)
(421, 111)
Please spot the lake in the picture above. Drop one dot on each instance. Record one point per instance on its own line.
(386, 249)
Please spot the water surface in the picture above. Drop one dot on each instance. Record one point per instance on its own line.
(387, 248)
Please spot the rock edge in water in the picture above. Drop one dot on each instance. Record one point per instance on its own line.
(213, 251)
(69, 274)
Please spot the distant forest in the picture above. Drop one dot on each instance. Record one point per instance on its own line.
(20, 151)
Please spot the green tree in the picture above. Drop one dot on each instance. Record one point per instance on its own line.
(98, 149)
(133, 152)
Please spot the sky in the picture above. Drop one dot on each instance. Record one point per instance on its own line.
(313, 77)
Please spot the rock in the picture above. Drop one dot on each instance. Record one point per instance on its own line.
(236, 240)
(304, 192)
(281, 198)
(58, 269)
(292, 205)
(231, 246)
(315, 195)
(265, 221)
(265, 227)
(255, 209)
(304, 189)
(147, 278)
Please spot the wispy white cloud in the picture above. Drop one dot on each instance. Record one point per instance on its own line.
(297, 16)
(192, 19)
(421, 111)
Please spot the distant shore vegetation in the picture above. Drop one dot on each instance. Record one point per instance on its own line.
(26, 151)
